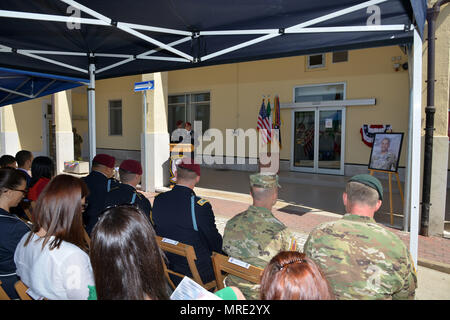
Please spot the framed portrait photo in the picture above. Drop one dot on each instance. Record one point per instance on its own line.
(385, 153)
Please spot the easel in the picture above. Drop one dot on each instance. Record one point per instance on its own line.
(390, 189)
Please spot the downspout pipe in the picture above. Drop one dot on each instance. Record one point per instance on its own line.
(430, 110)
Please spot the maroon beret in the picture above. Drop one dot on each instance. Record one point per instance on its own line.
(189, 165)
(132, 166)
(105, 160)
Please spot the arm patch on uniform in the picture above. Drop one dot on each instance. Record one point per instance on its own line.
(202, 201)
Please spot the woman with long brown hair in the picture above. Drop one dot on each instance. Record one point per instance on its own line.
(126, 258)
(291, 275)
(52, 259)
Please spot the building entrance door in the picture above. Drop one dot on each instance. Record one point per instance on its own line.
(318, 140)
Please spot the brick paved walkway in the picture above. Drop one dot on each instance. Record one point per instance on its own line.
(301, 220)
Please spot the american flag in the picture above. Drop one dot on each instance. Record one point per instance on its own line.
(264, 124)
(277, 119)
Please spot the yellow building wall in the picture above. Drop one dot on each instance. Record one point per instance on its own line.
(237, 90)
(119, 89)
(26, 119)
(80, 112)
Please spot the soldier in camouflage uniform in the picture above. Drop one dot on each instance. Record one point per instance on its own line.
(360, 258)
(255, 236)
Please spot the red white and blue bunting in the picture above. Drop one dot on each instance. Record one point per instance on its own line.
(368, 132)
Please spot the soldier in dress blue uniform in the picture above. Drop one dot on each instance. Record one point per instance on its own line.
(97, 182)
(182, 216)
(124, 192)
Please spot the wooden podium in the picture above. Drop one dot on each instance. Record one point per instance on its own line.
(390, 189)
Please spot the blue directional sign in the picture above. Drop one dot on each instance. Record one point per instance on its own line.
(146, 85)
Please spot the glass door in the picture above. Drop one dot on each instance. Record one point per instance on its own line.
(304, 140)
(330, 141)
(318, 140)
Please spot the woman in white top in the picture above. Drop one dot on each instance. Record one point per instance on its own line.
(52, 259)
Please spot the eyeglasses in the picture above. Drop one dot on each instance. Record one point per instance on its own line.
(24, 192)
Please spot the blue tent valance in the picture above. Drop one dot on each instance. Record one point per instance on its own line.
(18, 86)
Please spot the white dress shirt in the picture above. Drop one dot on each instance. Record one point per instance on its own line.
(63, 273)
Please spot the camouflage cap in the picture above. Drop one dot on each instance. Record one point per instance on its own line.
(369, 181)
(265, 181)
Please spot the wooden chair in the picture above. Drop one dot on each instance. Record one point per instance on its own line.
(3, 294)
(235, 267)
(186, 251)
(21, 289)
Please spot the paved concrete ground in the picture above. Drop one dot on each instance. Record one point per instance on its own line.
(318, 191)
(434, 252)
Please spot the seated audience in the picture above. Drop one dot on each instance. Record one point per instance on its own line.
(97, 183)
(52, 259)
(8, 161)
(127, 261)
(42, 171)
(126, 258)
(291, 275)
(360, 258)
(130, 172)
(182, 216)
(255, 236)
(12, 190)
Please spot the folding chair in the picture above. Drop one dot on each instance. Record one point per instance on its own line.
(3, 294)
(21, 289)
(235, 267)
(186, 251)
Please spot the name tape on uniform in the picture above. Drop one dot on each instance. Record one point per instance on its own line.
(170, 241)
(239, 263)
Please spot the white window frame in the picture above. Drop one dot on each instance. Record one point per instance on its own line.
(189, 115)
(310, 67)
(109, 117)
(313, 103)
(312, 106)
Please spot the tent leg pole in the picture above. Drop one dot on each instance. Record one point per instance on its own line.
(416, 148)
(407, 199)
(91, 111)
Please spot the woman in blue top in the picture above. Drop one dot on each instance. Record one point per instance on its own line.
(12, 190)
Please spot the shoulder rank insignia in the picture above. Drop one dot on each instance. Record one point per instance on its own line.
(202, 201)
